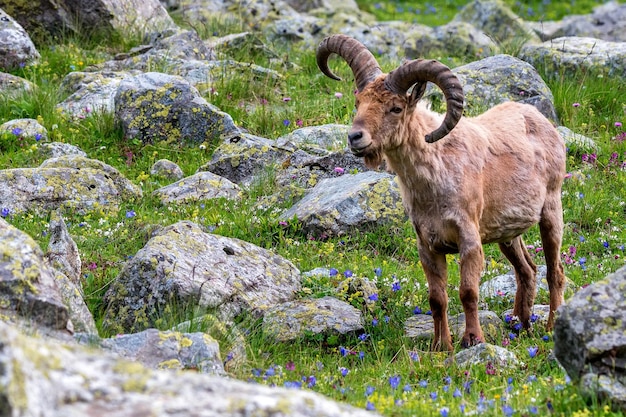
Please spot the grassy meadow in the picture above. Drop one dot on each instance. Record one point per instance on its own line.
(381, 370)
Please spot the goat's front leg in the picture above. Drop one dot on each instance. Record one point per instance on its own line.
(435, 268)
(472, 263)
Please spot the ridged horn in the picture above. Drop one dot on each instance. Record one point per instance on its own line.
(419, 70)
(361, 61)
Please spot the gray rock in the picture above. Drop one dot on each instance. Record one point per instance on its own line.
(607, 22)
(501, 78)
(28, 290)
(75, 182)
(127, 189)
(539, 314)
(331, 5)
(327, 316)
(505, 285)
(12, 85)
(182, 263)
(154, 107)
(28, 129)
(55, 380)
(570, 55)
(124, 17)
(232, 44)
(455, 38)
(498, 21)
(337, 205)
(169, 350)
(331, 137)
(57, 149)
(421, 326)
(577, 141)
(91, 92)
(16, 47)
(241, 158)
(62, 252)
(589, 336)
(199, 187)
(358, 287)
(606, 388)
(167, 169)
(204, 74)
(486, 353)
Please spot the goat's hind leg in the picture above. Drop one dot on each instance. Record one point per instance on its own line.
(551, 229)
(525, 276)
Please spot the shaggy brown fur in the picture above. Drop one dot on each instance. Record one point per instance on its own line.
(488, 181)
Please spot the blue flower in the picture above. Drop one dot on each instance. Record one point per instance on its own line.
(286, 122)
(457, 393)
(533, 409)
(332, 272)
(374, 322)
(394, 381)
(414, 356)
(343, 351)
(130, 214)
(444, 412)
(5, 212)
(532, 351)
(347, 273)
(369, 406)
(38, 137)
(423, 383)
(378, 272)
(407, 388)
(17, 131)
(369, 390)
(534, 318)
(311, 381)
(373, 297)
(363, 337)
(344, 371)
(507, 410)
(417, 310)
(395, 286)
(545, 338)
(433, 396)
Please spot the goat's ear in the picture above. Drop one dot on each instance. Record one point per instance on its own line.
(417, 93)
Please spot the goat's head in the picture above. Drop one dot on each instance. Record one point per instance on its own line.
(383, 103)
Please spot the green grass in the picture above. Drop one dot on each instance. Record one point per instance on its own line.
(593, 202)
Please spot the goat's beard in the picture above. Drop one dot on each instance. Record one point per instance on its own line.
(373, 159)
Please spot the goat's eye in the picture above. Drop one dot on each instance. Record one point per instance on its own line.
(396, 109)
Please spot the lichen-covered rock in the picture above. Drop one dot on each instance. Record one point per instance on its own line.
(589, 336)
(492, 325)
(606, 22)
(127, 189)
(332, 137)
(169, 350)
(231, 44)
(25, 128)
(12, 85)
(56, 149)
(326, 316)
(155, 107)
(421, 326)
(505, 285)
(485, 353)
(166, 169)
(354, 288)
(337, 205)
(91, 92)
(16, 47)
(495, 19)
(455, 38)
(183, 264)
(570, 55)
(124, 17)
(330, 5)
(496, 79)
(43, 378)
(200, 186)
(69, 181)
(241, 158)
(28, 290)
(62, 252)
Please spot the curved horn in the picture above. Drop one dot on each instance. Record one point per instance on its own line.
(419, 70)
(358, 57)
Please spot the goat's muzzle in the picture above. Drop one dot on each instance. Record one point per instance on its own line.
(358, 142)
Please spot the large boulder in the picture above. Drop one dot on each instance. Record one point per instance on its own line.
(198, 187)
(590, 341)
(44, 378)
(16, 47)
(335, 206)
(68, 181)
(570, 55)
(124, 17)
(155, 107)
(184, 265)
(500, 78)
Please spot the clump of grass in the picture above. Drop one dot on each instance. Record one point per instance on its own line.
(380, 368)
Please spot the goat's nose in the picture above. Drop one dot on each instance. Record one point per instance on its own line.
(354, 136)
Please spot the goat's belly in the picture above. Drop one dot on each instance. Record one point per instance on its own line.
(506, 232)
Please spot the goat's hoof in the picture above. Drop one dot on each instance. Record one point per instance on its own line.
(471, 340)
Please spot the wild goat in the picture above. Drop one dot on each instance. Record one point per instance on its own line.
(464, 181)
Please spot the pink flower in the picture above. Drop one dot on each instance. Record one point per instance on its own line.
(338, 95)
(286, 99)
(339, 170)
(576, 104)
(618, 124)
